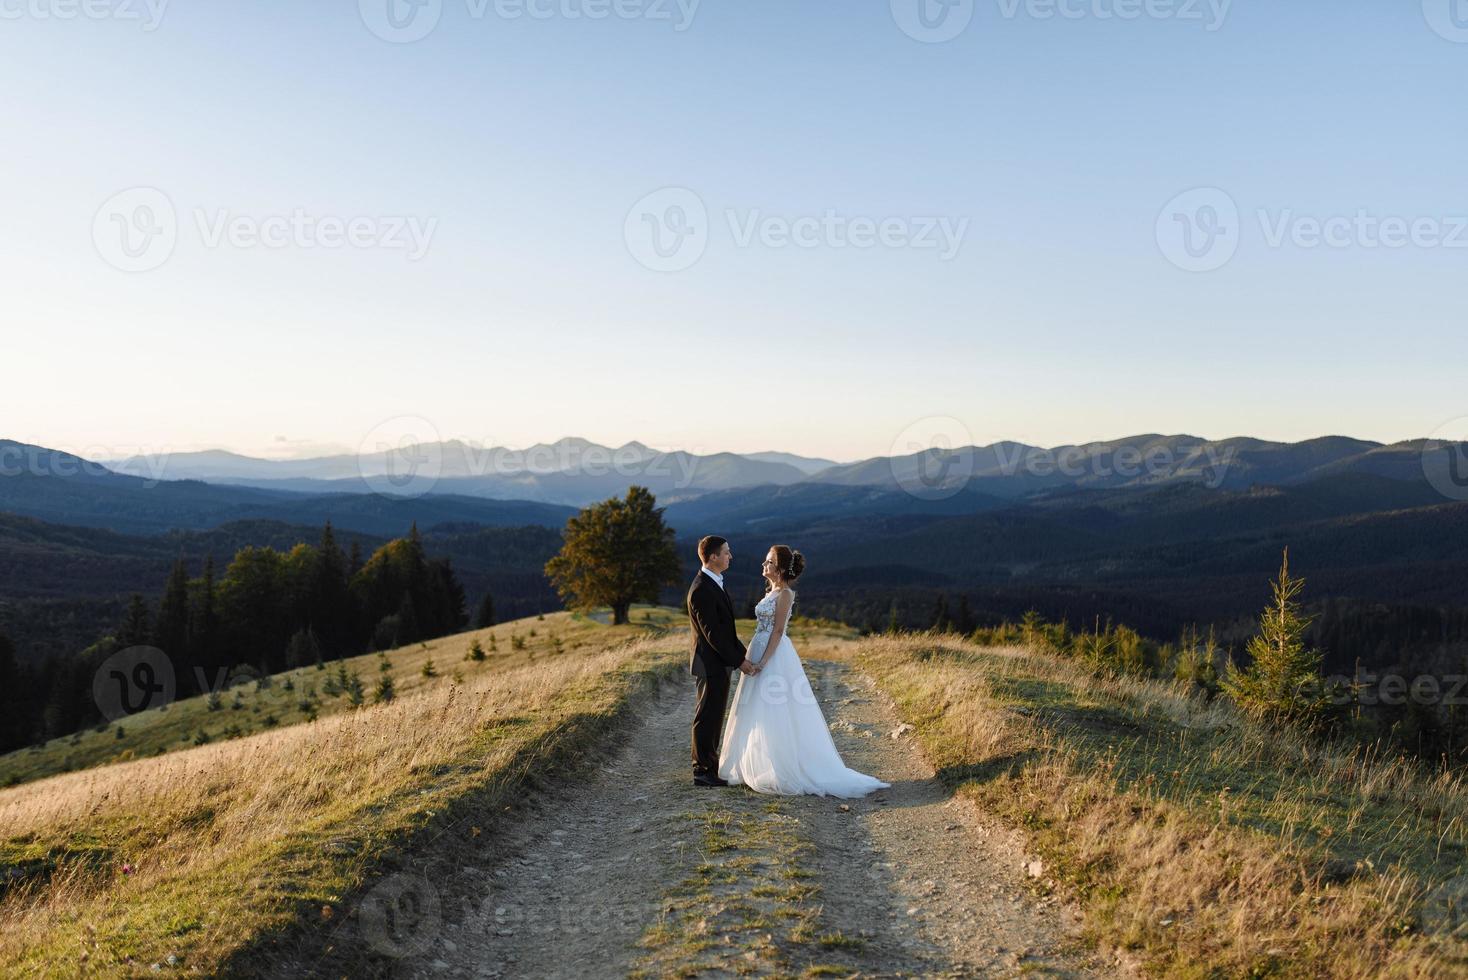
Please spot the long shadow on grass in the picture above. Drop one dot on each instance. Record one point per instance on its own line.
(987, 771)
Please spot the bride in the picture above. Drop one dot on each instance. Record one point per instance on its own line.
(775, 739)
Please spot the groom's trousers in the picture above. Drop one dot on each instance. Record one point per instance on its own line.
(708, 720)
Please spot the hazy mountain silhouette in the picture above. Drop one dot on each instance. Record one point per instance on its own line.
(569, 471)
(1156, 530)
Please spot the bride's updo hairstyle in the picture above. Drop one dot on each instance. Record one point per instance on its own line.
(790, 562)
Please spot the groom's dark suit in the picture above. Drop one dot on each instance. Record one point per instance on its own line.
(716, 651)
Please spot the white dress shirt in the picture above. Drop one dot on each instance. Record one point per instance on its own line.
(714, 575)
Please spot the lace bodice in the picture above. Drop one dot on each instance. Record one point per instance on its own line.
(764, 613)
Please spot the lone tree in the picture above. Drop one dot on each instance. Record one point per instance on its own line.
(1282, 683)
(616, 553)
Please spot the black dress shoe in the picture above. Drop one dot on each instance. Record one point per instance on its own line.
(702, 780)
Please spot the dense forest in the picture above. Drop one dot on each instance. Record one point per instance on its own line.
(63, 586)
(268, 609)
(1399, 673)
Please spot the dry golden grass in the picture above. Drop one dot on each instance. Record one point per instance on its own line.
(1204, 846)
(295, 695)
(198, 853)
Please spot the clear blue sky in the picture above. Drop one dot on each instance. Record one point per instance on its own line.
(527, 141)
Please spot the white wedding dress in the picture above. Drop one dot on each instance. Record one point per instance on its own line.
(775, 738)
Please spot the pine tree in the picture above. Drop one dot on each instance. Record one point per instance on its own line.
(332, 610)
(171, 629)
(445, 602)
(407, 617)
(964, 622)
(1031, 627)
(354, 691)
(12, 726)
(135, 630)
(303, 650)
(892, 623)
(940, 613)
(1281, 685)
(485, 616)
(204, 620)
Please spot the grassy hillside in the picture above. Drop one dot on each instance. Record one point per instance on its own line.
(247, 707)
(1205, 847)
(202, 859)
(198, 854)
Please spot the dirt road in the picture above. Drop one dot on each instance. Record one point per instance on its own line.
(634, 871)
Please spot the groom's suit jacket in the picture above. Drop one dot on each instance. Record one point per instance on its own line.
(716, 646)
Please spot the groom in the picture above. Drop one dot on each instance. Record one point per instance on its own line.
(716, 651)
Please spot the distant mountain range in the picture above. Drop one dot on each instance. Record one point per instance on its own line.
(575, 472)
(569, 471)
(1158, 531)
(63, 488)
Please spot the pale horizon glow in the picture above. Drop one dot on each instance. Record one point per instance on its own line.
(513, 154)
